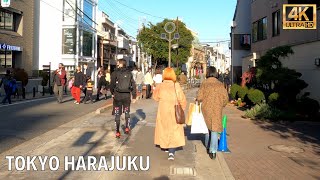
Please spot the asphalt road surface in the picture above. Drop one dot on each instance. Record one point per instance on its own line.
(25, 120)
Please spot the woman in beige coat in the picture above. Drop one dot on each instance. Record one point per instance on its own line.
(168, 134)
(214, 97)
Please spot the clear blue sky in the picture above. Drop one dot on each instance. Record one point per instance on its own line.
(211, 19)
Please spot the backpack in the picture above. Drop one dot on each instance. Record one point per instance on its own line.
(124, 82)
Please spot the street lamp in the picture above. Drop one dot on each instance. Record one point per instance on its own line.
(170, 27)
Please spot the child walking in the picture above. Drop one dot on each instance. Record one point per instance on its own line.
(89, 91)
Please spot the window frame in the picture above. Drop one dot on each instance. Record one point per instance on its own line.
(262, 30)
(13, 20)
(276, 25)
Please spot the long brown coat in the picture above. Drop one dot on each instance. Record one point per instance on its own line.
(214, 97)
(168, 134)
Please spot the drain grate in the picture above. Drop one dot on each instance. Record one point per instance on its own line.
(182, 171)
(286, 148)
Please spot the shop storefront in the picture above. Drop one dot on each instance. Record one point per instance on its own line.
(9, 56)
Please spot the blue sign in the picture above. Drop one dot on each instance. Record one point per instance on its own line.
(10, 48)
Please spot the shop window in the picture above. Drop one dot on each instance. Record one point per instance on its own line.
(87, 43)
(6, 59)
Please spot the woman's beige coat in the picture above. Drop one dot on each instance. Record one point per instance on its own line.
(168, 134)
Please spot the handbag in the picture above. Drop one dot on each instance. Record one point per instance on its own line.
(198, 125)
(179, 113)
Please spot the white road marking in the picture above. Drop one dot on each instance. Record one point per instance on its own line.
(26, 101)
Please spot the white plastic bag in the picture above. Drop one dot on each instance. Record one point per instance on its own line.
(198, 125)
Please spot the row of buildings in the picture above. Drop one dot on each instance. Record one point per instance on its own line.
(36, 33)
(257, 27)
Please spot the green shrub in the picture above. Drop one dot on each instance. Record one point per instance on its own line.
(242, 92)
(21, 75)
(264, 111)
(234, 90)
(273, 98)
(256, 96)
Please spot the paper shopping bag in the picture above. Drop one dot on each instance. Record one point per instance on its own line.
(198, 125)
(192, 109)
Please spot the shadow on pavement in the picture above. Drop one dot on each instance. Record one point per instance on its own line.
(306, 133)
(139, 115)
(162, 178)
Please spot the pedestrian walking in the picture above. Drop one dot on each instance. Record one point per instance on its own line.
(6, 81)
(213, 97)
(168, 134)
(89, 91)
(100, 73)
(157, 78)
(139, 81)
(77, 85)
(87, 74)
(59, 81)
(148, 81)
(122, 87)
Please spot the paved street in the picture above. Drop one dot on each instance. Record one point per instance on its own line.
(94, 136)
(22, 121)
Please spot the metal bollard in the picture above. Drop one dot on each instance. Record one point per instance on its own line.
(34, 92)
(24, 93)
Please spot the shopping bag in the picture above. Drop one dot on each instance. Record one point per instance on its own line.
(192, 108)
(198, 125)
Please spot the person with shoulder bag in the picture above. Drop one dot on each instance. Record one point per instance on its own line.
(169, 131)
(213, 97)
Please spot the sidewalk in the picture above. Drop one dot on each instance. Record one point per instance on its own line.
(93, 135)
(251, 143)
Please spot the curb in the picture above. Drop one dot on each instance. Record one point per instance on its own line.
(104, 108)
(224, 166)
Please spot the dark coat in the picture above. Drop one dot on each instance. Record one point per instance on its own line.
(214, 97)
(79, 79)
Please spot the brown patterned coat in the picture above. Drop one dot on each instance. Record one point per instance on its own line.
(214, 97)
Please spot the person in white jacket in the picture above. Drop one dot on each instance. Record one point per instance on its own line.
(148, 81)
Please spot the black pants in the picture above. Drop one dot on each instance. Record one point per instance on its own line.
(88, 95)
(148, 91)
(122, 106)
(85, 94)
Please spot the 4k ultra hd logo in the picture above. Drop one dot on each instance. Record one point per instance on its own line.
(299, 16)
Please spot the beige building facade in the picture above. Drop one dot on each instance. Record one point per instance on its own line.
(267, 33)
(18, 29)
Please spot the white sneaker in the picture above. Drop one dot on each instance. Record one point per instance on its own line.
(171, 156)
(75, 102)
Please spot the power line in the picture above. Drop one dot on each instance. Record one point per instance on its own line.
(139, 10)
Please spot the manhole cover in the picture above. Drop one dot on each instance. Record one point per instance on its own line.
(286, 148)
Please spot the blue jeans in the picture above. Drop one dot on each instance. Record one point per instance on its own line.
(139, 88)
(213, 146)
(172, 150)
(7, 96)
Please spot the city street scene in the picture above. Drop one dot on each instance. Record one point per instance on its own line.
(160, 90)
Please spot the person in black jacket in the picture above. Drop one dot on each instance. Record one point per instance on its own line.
(122, 87)
(87, 74)
(79, 82)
